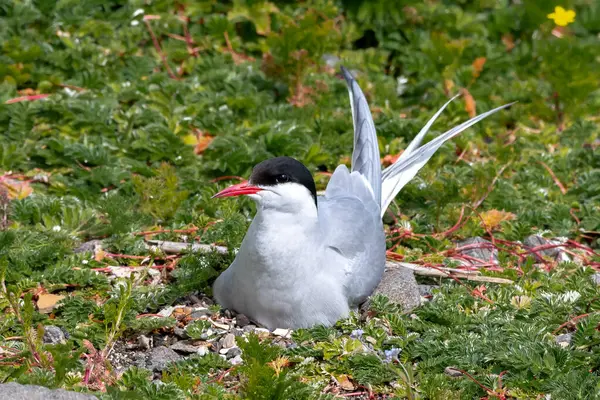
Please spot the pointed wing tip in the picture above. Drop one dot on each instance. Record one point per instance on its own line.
(347, 75)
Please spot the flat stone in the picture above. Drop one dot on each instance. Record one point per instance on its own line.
(228, 341)
(453, 372)
(181, 333)
(596, 278)
(478, 247)
(202, 350)
(236, 360)
(88, 247)
(556, 253)
(262, 332)
(160, 357)
(564, 340)
(15, 391)
(184, 347)
(166, 312)
(234, 352)
(284, 333)
(201, 312)
(53, 335)
(400, 286)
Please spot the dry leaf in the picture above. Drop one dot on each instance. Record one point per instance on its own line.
(203, 142)
(345, 383)
(470, 105)
(16, 189)
(390, 159)
(508, 41)
(279, 364)
(493, 218)
(99, 255)
(478, 66)
(27, 92)
(181, 312)
(47, 302)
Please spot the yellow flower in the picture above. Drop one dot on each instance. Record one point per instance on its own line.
(562, 17)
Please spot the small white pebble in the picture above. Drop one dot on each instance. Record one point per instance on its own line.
(56, 228)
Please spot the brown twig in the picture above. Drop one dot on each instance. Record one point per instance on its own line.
(562, 187)
(147, 233)
(577, 318)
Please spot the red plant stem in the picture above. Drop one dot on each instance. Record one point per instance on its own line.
(456, 226)
(188, 38)
(159, 50)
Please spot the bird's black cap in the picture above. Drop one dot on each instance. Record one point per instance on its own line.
(281, 170)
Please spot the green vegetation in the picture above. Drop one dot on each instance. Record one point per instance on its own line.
(118, 118)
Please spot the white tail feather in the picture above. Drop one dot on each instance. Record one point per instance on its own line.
(397, 175)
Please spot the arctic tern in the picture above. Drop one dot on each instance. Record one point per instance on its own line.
(308, 260)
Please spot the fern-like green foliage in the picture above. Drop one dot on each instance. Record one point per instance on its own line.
(159, 196)
(130, 137)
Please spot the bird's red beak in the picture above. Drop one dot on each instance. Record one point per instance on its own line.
(238, 190)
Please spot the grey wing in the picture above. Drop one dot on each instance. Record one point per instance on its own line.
(353, 233)
(365, 156)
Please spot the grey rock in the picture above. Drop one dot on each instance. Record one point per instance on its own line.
(237, 332)
(400, 286)
(202, 351)
(228, 341)
(479, 248)
(234, 352)
(564, 340)
(556, 253)
(249, 328)
(427, 290)
(596, 278)
(160, 357)
(236, 360)
(181, 333)
(15, 391)
(139, 360)
(242, 321)
(88, 247)
(184, 347)
(453, 372)
(53, 335)
(144, 342)
(197, 314)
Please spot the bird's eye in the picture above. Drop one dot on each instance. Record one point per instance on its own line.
(282, 178)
